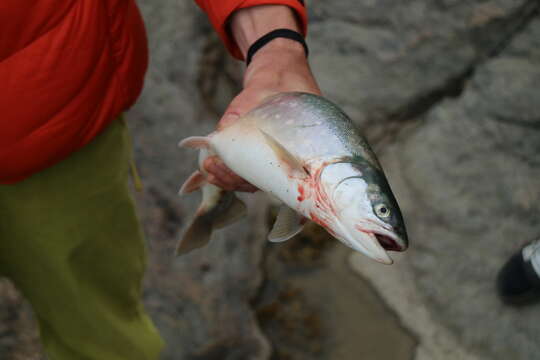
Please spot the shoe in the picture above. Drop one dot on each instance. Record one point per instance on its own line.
(518, 282)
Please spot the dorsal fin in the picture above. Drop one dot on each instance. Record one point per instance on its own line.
(283, 155)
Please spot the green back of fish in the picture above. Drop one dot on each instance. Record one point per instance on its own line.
(311, 127)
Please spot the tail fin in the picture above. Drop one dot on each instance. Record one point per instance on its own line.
(197, 235)
(225, 210)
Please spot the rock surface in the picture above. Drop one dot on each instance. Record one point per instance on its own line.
(446, 92)
(468, 179)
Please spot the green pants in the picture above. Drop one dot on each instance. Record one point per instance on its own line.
(71, 243)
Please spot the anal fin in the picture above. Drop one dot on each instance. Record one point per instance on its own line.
(288, 223)
(195, 181)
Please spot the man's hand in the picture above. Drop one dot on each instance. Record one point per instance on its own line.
(279, 66)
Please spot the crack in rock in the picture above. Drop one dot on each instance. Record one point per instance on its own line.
(488, 46)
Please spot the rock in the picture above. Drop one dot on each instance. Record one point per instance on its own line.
(200, 301)
(467, 179)
(18, 333)
(387, 61)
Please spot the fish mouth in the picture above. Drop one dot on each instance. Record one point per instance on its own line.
(376, 243)
(368, 245)
(388, 243)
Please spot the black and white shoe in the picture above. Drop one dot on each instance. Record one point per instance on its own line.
(518, 282)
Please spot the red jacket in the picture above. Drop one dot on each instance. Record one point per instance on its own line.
(68, 68)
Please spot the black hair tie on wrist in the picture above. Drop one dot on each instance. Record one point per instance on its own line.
(279, 33)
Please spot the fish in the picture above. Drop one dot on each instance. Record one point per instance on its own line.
(305, 151)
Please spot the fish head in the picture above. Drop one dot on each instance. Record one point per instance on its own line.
(368, 218)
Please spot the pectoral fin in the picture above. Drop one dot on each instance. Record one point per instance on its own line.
(284, 156)
(288, 223)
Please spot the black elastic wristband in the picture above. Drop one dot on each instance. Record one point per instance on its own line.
(279, 33)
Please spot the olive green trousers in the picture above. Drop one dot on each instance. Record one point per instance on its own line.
(71, 242)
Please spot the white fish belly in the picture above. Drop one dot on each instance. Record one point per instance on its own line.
(248, 155)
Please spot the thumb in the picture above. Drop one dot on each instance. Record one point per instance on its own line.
(228, 119)
(241, 104)
(238, 107)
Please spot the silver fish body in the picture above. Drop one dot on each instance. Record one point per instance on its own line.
(306, 152)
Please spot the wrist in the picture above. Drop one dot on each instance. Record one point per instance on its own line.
(277, 55)
(249, 24)
(281, 65)
(274, 35)
(276, 47)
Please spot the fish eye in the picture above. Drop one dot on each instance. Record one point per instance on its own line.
(382, 211)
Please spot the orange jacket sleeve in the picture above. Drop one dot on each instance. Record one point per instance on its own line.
(218, 11)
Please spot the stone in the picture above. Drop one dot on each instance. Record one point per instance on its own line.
(467, 179)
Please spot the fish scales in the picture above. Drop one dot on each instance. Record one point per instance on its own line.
(325, 130)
